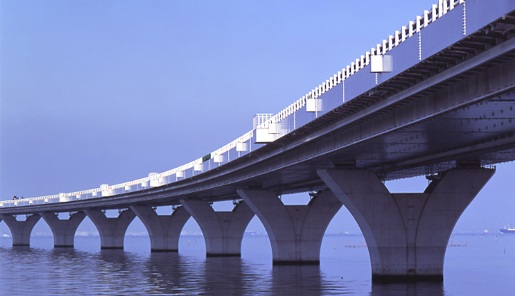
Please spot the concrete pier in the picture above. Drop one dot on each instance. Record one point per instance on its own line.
(63, 230)
(406, 234)
(295, 232)
(20, 230)
(111, 230)
(223, 231)
(164, 231)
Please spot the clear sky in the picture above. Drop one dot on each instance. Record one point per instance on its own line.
(103, 92)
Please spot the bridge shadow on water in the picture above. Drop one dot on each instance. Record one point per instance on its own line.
(232, 276)
(117, 272)
(408, 289)
(171, 273)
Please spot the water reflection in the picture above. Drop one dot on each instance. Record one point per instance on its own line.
(165, 273)
(408, 289)
(299, 279)
(170, 273)
(88, 271)
(227, 274)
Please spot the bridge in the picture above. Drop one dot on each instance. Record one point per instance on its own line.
(436, 98)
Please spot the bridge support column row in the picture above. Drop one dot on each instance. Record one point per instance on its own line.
(223, 231)
(63, 230)
(295, 232)
(406, 234)
(164, 231)
(111, 230)
(20, 230)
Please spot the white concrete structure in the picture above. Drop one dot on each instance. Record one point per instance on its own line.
(111, 230)
(63, 230)
(295, 232)
(223, 231)
(164, 230)
(406, 234)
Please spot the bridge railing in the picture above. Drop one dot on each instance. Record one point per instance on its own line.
(429, 16)
(243, 144)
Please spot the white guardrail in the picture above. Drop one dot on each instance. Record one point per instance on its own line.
(159, 179)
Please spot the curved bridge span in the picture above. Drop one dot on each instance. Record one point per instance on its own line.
(436, 98)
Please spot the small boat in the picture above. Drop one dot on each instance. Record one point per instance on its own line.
(507, 230)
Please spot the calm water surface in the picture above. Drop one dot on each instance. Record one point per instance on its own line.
(485, 266)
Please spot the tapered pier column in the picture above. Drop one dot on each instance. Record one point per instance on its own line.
(223, 231)
(407, 234)
(295, 232)
(20, 230)
(63, 230)
(111, 230)
(164, 231)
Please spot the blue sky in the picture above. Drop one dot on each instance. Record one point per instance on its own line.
(103, 92)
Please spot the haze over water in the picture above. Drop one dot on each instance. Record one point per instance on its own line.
(482, 265)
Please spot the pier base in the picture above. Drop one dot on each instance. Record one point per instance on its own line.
(295, 232)
(406, 233)
(164, 231)
(223, 231)
(111, 230)
(20, 230)
(63, 230)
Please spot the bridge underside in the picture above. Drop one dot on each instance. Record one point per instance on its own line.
(469, 122)
(463, 119)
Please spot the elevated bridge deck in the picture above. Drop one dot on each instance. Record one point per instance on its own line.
(449, 98)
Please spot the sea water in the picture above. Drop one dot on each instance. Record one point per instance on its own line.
(474, 265)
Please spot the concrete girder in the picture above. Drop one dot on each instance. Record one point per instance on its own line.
(20, 230)
(164, 231)
(111, 230)
(406, 234)
(295, 232)
(63, 230)
(223, 231)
